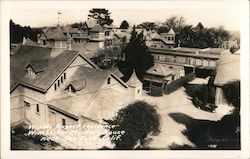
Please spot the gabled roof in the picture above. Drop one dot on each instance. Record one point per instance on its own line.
(159, 38)
(53, 66)
(158, 69)
(55, 33)
(89, 49)
(78, 84)
(228, 69)
(133, 80)
(71, 30)
(97, 28)
(38, 65)
(94, 79)
(171, 32)
(116, 71)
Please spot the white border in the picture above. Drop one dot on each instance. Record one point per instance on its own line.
(7, 6)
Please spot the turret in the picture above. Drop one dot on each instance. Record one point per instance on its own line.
(135, 87)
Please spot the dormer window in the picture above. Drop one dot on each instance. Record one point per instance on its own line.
(30, 71)
(36, 66)
(76, 85)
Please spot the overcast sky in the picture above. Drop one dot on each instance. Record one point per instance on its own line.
(228, 16)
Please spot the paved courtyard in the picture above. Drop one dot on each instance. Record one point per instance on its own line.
(178, 102)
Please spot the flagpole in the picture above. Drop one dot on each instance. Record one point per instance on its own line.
(58, 18)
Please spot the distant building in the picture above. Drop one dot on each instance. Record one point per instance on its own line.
(75, 36)
(188, 58)
(228, 69)
(53, 37)
(64, 88)
(164, 40)
(159, 76)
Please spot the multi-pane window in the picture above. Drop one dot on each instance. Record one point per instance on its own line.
(26, 104)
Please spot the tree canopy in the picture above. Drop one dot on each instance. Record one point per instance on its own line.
(147, 25)
(231, 92)
(137, 57)
(124, 25)
(101, 15)
(17, 32)
(138, 120)
(197, 36)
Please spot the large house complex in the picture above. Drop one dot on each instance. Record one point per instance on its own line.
(50, 86)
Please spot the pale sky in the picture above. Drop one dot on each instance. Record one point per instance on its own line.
(229, 17)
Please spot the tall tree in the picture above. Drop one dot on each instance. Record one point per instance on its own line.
(101, 15)
(147, 25)
(137, 57)
(138, 120)
(175, 22)
(17, 32)
(124, 25)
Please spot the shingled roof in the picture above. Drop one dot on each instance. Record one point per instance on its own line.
(55, 33)
(97, 28)
(53, 66)
(228, 69)
(93, 79)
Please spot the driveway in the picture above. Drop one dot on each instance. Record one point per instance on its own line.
(171, 131)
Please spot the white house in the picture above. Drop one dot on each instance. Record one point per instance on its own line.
(66, 89)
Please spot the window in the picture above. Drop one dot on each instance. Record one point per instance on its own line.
(138, 91)
(37, 108)
(172, 77)
(109, 79)
(63, 122)
(55, 86)
(168, 38)
(64, 75)
(30, 71)
(58, 83)
(61, 79)
(26, 104)
(107, 33)
(172, 38)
